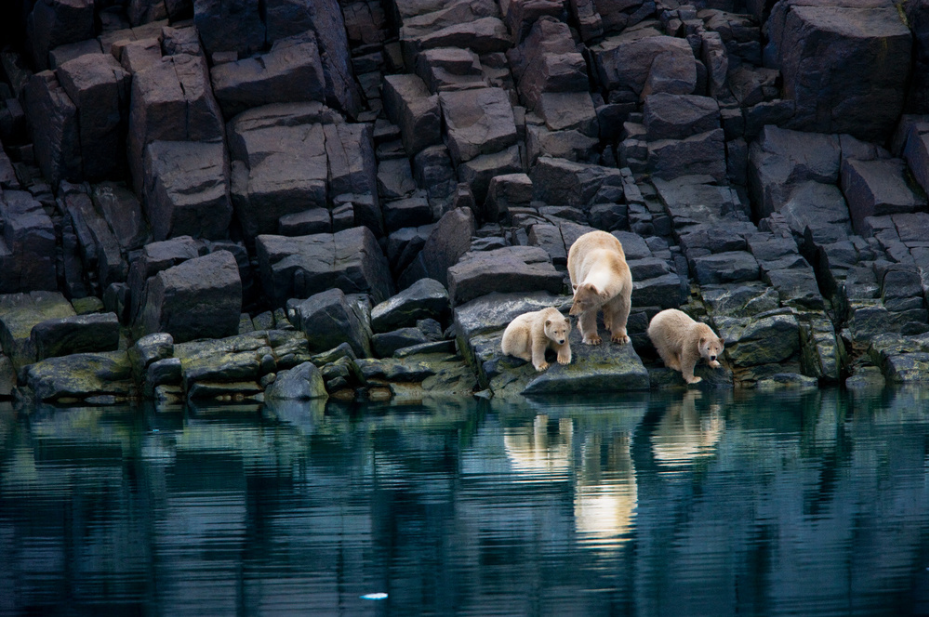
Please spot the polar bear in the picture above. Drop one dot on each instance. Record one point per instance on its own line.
(681, 342)
(601, 279)
(530, 334)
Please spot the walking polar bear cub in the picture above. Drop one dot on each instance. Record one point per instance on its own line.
(530, 334)
(601, 280)
(681, 342)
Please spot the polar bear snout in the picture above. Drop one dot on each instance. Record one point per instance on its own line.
(713, 358)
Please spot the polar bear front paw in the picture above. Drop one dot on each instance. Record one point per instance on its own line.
(592, 339)
(695, 380)
(620, 337)
(715, 364)
(542, 366)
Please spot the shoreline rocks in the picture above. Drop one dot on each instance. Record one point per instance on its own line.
(352, 199)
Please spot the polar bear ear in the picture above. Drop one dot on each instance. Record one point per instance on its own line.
(722, 342)
(548, 323)
(702, 341)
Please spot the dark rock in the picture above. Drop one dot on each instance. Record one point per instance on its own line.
(816, 206)
(730, 267)
(123, 213)
(229, 26)
(509, 269)
(299, 267)
(150, 349)
(477, 122)
(424, 299)
(19, 313)
(449, 240)
(479, 171)
(200, 298)
(704, 153)
(852, 59)
(669, 116)
(171, 100)
(280, 163)
(646, 63)
(879, 187)
(77, 334)
(52, 23)
(27, 246)
(450, 69)
(79, 377)
(569, 111)
(328, 320)
(312, 221)
(664, 291)
(303, 382)
(433, 170)
(99, 87)
(384, 344)
(291, 72)
(557, 181)
(411, 106)
(187, 189)
(395, 179)
(760, 340)
(55, 131)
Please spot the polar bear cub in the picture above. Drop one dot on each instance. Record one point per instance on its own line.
(681, 342)
(602, 280)
(530, 334)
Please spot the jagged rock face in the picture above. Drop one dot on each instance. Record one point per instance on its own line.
(163, 154)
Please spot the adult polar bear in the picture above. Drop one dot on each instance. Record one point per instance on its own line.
(601, 279)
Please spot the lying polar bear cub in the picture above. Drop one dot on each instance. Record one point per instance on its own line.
(530, 334)
(681, 342)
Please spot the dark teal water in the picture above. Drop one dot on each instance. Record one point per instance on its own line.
(658, 504)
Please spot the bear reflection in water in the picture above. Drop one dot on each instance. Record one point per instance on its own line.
(599, 465)
(685, 434)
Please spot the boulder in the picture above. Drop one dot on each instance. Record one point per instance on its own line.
(816, 206)
(155, 257)
(308, 222)
(512, 268)
(569, 111)
(553, 72)
(503, 192)
(703, 154)
(484, 35)
(89, 378)
(761, 340)
(479, 171)
(299, 267)
(55, 131)
(229, 26)
(729, 267)
(27, 246)
(433, 170)
(448, 241)
(641, 64)
(200, 298)
(411, 212)
(281, 164)
(99, 87)
(557, 181)
(19, 313)
(171, 100)
(57, 22)
(78, 334)
(100, 250)
(424, 299)
(328, 320)
(876, 188)
(411, 106)
(845, 67)
(123, 213)
(450, 69)
(384, 344)
(477, 122)
(290, 72)
(303, 382)
(186, 190)
(670, 116)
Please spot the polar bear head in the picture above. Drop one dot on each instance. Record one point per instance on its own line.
(556, 326)
(711, 348)
(587, 298)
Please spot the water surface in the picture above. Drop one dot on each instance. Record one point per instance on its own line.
(682, 503)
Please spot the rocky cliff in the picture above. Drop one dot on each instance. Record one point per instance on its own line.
(200, 199)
